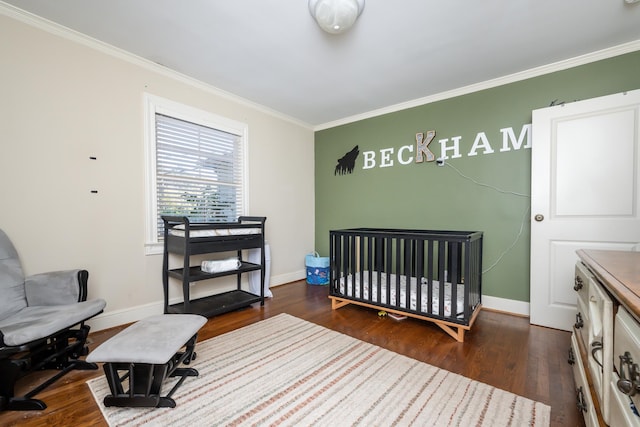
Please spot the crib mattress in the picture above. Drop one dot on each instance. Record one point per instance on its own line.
(178, 230)
(424, 303)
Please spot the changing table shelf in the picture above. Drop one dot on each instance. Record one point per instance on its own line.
(196, 274)
(214, 305)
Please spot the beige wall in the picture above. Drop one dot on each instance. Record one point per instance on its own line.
(63, 100)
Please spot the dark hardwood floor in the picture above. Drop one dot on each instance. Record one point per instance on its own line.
(501, 350)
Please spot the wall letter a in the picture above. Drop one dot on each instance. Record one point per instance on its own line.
(422, 146)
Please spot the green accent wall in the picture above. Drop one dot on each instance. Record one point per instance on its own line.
(427, 196)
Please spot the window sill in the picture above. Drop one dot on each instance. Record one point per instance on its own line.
(153, 248)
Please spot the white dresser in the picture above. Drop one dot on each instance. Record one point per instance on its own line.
(605, 344)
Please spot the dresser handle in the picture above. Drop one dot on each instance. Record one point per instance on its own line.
(580, 401)
(628, 383)
(596, 346)
(572, 357)
(578, 284)
(579, 322)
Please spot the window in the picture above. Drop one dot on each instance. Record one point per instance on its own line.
(195, 166)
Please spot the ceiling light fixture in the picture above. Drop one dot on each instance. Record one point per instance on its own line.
(335, 16)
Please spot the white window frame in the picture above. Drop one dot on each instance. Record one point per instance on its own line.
(156, 105)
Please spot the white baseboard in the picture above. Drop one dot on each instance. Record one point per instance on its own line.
(506, 305)
(114, 318)
(281, 279)
(133, 314)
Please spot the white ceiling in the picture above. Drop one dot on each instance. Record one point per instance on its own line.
(272, 53)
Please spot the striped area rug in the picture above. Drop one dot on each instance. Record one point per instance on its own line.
(287, 371)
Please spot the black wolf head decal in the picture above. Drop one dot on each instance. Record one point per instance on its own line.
(347, 163)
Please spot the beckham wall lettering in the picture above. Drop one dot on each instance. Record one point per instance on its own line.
(449, 148)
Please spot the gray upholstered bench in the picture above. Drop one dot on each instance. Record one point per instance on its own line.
(148, 352)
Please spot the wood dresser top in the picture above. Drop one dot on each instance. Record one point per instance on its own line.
(619, 271)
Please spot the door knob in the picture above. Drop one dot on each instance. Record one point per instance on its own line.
(539, 217)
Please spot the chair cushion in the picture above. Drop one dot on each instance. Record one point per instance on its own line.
(33, 323)
(11, 279)
(52, 288)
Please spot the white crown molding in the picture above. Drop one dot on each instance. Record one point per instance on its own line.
(511, 78)
(62, 31)
(80, 38)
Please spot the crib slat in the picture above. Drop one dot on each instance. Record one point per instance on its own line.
(441, 276)
(430, 277)
(370, 256)
(419, 273)
(388, 241)
(361, 257)
(453, 278)
(408, 255)
(352, 268)
(397, 268)
(334, 267)
(469, 300)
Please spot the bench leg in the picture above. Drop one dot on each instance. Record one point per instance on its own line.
(145, 380)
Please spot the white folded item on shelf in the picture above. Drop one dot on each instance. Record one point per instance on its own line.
(218, 266)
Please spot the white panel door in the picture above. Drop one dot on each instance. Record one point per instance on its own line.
(585, 194)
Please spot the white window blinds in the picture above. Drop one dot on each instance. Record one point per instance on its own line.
(198, 171)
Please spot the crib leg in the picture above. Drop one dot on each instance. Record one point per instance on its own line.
(336, 303)
(456, 333)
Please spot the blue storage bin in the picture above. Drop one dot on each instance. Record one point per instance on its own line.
(317, 269)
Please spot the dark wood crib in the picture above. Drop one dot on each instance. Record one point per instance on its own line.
(425, 274)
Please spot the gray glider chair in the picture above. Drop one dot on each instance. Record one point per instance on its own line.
(38, 315)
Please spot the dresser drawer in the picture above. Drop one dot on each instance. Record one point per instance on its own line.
(626, 360)
(599, 347)
(610, 334)
(621, 413)
(626, 337)
(582, 323)
(581, 281)
(582, 393)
